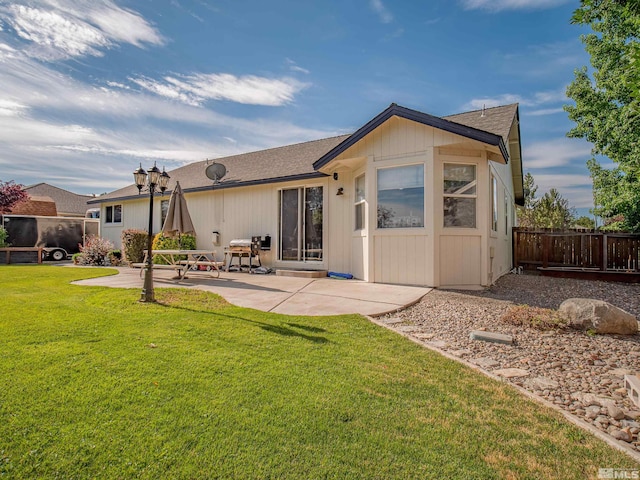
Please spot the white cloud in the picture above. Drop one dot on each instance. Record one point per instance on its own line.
(383, 14)
(294, 67)
(555, 153)
(9, 108)
(498, 5)
(45, 118)
(545, 111)
(63, 29)
(538, 98)
(249, 89)
(53, 32)
(577, 188)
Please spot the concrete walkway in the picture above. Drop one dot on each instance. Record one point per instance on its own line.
(279, 294)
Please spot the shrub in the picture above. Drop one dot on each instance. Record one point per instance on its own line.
(95, 251)
(76, 258)
(535, 317)
(134, 242)
(115, 258)
(160, 242)
(3, 237)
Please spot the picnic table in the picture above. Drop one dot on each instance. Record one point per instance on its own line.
(182, 260)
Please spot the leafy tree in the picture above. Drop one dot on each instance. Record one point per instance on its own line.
(607, 105)
(553, 211)
(550, 211)
(11, 194)
(526, 213)
(586, 222)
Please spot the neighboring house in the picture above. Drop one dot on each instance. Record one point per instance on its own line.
(409, 198)
(67, 204)
(36, 205)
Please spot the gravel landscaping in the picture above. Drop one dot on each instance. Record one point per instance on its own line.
(579, 372)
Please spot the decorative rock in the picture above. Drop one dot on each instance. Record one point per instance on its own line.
(633, 414)
(491, 337)
(615, 412)
(620, 372)
(620, 435)
(542, 383)
(511, 372)
(438, 344)
(587, 314)
(485, 362)
(592, 412)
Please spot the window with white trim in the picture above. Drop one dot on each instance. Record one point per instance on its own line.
(460, 195)
(401, 197)
(164, 210)
(113, 214)
(359, 202)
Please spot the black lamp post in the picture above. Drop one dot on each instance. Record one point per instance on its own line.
(156, 180)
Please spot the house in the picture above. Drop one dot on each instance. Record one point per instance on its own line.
(409, 198)
(66, 203)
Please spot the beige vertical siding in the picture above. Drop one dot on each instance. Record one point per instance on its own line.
(459, 260)
(402, 259)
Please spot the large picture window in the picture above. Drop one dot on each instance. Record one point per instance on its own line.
(460, 194)
(300, 224)
(401, 197)
(113, 214)
(359, 203)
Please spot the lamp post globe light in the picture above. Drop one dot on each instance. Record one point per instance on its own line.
(155, 179)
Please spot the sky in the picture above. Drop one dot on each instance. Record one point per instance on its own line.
(91, 88)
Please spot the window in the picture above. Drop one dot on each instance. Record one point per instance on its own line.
(300, 224)
(506, 213)
(164, 209)
(359, 203)
(401, 197)
(494, 204)
(113, 214)
(460, 193)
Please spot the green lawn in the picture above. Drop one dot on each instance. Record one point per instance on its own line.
(97, 385)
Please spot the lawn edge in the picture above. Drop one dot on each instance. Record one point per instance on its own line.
(571, 418)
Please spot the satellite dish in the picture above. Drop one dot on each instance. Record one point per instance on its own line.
(215, 172)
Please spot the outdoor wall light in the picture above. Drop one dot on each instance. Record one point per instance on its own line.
(151, 181)
(335, 175)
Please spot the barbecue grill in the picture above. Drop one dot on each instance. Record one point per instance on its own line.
(243, 248)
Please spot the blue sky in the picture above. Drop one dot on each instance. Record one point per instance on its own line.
(90, 88)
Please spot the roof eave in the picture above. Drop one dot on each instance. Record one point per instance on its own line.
(416, 116)
(220, 186)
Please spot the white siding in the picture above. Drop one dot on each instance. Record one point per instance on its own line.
(460, 263)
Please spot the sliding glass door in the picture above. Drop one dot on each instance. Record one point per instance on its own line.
(300, 224)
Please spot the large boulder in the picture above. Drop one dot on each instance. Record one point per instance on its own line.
(589, 314)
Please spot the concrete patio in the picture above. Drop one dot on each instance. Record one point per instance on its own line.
(279, 294)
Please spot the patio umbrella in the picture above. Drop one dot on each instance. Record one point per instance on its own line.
(178, 220)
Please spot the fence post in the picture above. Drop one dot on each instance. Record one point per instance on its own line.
(603, 257)
(546, 241)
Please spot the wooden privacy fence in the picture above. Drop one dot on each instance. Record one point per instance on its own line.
(618, 252)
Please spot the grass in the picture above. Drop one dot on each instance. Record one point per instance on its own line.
(97, 385)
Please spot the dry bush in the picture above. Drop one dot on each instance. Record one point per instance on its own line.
(535, 317)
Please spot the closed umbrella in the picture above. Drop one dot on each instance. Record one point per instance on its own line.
(178, 220)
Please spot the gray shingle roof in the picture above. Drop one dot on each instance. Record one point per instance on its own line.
(496, 120)
(297, 161)
(67, 203)
(263, 166)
